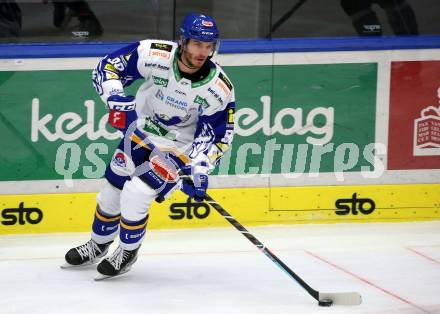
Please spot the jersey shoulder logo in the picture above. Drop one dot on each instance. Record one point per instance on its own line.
(161, 46)
(225, 80)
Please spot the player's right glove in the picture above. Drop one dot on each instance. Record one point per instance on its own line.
(122, 111)
(197, 187)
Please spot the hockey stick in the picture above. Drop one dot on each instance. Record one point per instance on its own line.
(324, 299)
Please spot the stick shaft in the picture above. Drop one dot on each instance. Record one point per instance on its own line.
(350, 298)
(261, 247)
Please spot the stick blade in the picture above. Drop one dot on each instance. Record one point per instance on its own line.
(342, 298)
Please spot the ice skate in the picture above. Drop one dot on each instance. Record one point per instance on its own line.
(86, 254)
(117, 264)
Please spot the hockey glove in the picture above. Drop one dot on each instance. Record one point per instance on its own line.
(122, 111)
(197, 187)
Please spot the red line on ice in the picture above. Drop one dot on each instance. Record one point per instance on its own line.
(366, 281)
(423, 255)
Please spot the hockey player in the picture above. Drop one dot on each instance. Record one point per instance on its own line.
(184, 107)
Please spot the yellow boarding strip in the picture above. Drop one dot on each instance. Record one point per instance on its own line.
(42, 213)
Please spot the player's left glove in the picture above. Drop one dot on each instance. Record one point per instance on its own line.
(197, 188)
(122, 111)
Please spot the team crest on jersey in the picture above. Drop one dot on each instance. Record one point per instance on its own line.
(168, 121)
(161, 46)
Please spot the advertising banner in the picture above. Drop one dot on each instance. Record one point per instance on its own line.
(50, 114)
(414, 125)
(289, 119)
(41, 213)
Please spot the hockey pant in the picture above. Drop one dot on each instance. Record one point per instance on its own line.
(134, 181)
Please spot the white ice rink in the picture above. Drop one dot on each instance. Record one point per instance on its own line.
(394, 266)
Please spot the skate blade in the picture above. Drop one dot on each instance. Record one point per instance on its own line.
(66, 266)
(70, 266)
(102, 277)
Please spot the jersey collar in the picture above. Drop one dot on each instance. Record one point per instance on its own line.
(178, 77)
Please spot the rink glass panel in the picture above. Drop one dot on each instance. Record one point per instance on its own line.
(58, 21)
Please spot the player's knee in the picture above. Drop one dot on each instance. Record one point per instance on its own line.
(108, 200)
(120, 168)
(136, 199)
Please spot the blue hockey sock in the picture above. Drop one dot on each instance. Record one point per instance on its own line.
(132, 233)
(104, 227)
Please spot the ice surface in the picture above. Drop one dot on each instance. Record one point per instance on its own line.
(395, 267)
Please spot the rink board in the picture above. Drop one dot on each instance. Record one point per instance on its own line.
(41, 213)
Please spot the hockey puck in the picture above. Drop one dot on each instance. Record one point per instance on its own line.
(325, 302)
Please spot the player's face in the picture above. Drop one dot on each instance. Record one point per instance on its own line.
(197, 52)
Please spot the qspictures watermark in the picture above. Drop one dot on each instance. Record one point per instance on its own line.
(303, 159)
(346, 156)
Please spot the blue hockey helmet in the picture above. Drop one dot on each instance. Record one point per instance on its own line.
(199, 27)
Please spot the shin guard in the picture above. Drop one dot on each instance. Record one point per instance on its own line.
(105, 227)
(132, 233)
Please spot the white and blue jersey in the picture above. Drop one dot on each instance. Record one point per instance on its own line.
(196, 118)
